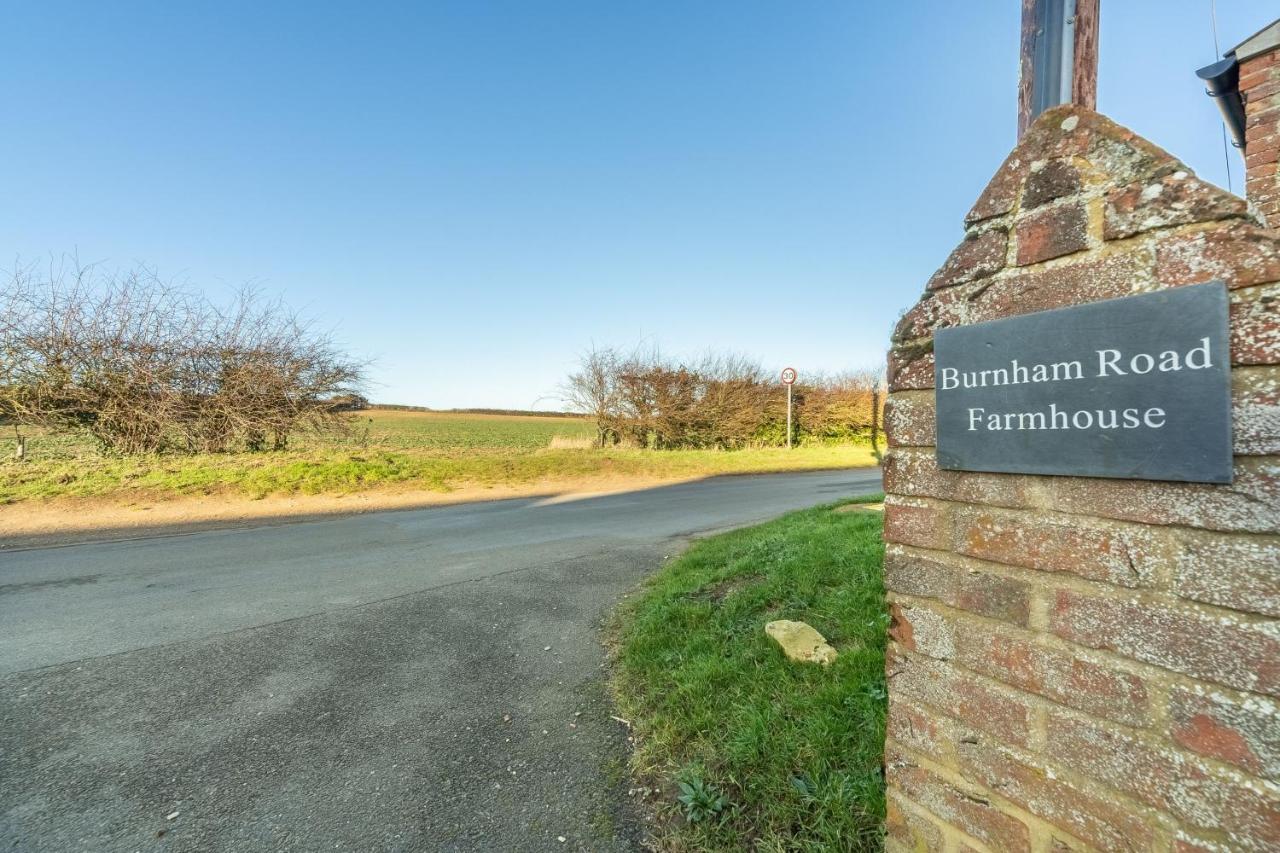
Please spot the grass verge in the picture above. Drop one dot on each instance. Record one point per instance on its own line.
(389, 451)
(767, 754)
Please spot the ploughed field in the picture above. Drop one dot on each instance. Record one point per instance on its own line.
(385, 450)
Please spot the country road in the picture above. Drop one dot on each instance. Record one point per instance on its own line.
(411, 680)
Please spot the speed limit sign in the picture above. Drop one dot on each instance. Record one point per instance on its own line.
(788, 379)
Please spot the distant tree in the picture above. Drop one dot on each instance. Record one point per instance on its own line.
(349, 403)
(593, 390)
(143, 365)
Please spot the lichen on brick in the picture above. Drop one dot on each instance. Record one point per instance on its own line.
(1073, 645)
(1178, 198)
(1049, 180)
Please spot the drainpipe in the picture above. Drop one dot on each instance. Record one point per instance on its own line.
(1222, 83)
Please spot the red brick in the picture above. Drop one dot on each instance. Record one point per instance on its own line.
(1257, 78)
(1053, 179)
(1051, 233)
(977, 256)
(923, 731)
(1255, 411)
(1263, 100)
(1255, 159)
(910, 369)
(1099, 821)
(1244, 733)
(1265, 143)
(1239, 253)
(1015, 659)
(968, 810)
(901, 631)
(976, 592)
(909, 420)
(1267, 116)
(1022, 291)
(1264, 192)
(922, 317)
(1260, 180)
(1250, 503)
(962, 695)
(1260, 132)
(1237, 653)
(915, 472)
(1001, 192)
(1260, 85)
(1176, 199)
(915, 833)
(1257, 64)
(1128, 556)
(1182, 786)
(922, 525)
(922, 629)
(1255, 326)
(1229, 570)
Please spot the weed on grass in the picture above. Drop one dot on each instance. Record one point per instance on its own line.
(755, 751)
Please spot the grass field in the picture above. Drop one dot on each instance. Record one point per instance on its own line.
(385, 449)
(767, 754)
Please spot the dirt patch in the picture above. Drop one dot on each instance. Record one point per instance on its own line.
(716, 593)
(66, 521)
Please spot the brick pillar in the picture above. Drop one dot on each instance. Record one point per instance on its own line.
(1260, 90)
(1085, 663)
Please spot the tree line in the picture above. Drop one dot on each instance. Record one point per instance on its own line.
(145, 365)
(644, 399)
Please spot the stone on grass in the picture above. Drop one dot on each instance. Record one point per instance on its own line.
(800, 641)
(844, 508)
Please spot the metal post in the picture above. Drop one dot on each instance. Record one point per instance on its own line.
(788, 416)
(789, 376)
(1059, 56)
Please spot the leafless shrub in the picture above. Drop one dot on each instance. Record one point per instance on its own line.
(593, 390)
(144, 365)
(717, 401)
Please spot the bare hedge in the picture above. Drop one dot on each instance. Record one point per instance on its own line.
(720, 401)
(144, 365)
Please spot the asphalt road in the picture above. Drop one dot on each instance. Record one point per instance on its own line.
(413, 680)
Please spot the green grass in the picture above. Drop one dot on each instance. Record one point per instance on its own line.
(385, 449)
(795, 750)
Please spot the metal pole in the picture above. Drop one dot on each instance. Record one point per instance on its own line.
(788, 417)
(1059, 57)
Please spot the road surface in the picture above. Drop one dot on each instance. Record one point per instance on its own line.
(412, 680)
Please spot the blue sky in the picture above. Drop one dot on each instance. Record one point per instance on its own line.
(471, 193)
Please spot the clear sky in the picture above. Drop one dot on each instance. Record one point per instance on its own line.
(471, 193)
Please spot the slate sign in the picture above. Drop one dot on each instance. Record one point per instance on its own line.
(1136, 388)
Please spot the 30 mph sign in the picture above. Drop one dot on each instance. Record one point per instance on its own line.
(788, 379)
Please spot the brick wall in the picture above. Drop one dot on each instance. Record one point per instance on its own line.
(1086, 663)
(1260, 90)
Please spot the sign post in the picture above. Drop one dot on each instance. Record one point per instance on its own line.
(1059, 57)
(788, 379)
